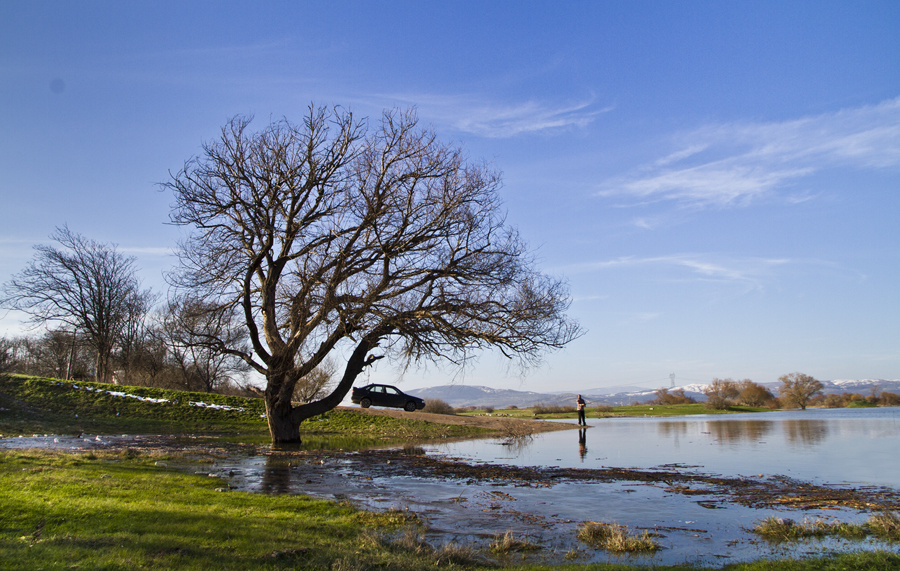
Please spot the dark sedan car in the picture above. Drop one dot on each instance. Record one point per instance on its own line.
(385, 395)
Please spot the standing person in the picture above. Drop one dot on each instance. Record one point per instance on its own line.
(580, 404)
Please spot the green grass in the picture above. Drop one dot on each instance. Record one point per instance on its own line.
(30, 405)
(98, 511)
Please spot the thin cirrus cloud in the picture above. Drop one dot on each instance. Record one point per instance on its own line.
(496, 121)
(528, 117)
(748, 273)
(735, 164)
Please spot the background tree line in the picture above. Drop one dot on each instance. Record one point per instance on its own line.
(797, 390)
(109, 329)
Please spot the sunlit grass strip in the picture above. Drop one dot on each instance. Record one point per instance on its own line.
(884, 526)
(615, 538)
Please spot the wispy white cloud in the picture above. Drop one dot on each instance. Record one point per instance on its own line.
(527, 117)
(735, 164)
(470, 114)
(751, 273)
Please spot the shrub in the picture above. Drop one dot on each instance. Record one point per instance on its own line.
(437, 406)
(663, 396)
(720, 394)
(552, 409)
(753, 394)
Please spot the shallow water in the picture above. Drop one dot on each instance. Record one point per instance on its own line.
(831, 447)
(842, 447)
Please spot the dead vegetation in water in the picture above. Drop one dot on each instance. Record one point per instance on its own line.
(412, 542)
(507, 543)
(616, 538)
(884, 526)
(709, 491)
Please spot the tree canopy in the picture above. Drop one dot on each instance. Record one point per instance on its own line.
(329, 236)
(798, 388)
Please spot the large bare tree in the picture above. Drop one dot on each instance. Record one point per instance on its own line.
(87, 285)
(331, 236)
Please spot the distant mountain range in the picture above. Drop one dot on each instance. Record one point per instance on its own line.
(479, 396)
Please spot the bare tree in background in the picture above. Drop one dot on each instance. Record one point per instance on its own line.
(327, 237)
(84, 284)
(797, 389)
(317, 383)
(202, 340)
(720, 393)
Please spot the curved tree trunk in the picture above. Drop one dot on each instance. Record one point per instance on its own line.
(284, 418)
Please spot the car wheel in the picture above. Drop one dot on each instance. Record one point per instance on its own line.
(410, 407)
(365, 403)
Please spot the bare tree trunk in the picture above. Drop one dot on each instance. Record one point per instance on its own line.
(284, 419)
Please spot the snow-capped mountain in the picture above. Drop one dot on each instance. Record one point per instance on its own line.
(480, 396)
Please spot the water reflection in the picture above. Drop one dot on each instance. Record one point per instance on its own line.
(732, 431)
(276, 476)
(582, 443)
(806, 432)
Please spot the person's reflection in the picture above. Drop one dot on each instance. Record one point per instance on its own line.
(582, 443)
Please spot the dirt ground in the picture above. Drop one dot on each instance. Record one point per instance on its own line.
(491, 422)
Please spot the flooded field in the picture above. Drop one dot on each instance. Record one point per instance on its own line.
(674, 490)
(697, 484)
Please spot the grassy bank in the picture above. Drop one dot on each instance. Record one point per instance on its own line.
(30, 405)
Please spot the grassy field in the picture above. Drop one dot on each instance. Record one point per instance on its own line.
(30, 405)
(129, 509)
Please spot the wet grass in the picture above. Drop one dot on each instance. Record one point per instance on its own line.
(616, 538)
(883, 526)
(117, 511)
(508, 543)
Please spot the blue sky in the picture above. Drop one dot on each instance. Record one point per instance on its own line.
(718, 181)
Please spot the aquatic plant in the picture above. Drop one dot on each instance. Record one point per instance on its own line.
(615, 538)
(507, 543)
(884, 526)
